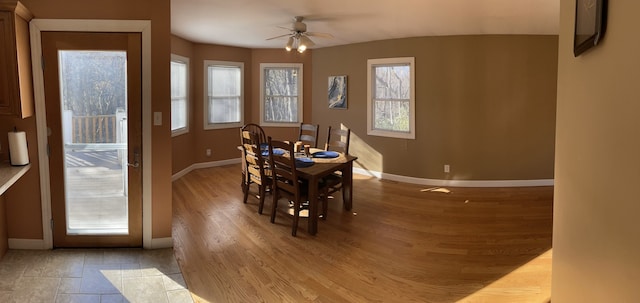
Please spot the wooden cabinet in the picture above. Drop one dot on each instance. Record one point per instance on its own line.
(4, 238)
(16, 84)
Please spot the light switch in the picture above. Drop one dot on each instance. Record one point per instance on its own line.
(157, 118)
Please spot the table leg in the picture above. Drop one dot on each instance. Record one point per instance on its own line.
(313, 206)
(347, 185)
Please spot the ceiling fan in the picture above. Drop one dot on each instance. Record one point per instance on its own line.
(299, 36)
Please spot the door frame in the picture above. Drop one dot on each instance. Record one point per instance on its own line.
(37, 26)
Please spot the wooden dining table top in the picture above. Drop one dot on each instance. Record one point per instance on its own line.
(322, 165)
(341, 159)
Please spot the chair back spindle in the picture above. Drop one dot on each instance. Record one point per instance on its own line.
(256, 129)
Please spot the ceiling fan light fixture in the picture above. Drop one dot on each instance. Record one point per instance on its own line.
(298, 38)
(303, 43)
(289, 45)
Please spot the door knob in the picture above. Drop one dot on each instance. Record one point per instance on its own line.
(136, 159)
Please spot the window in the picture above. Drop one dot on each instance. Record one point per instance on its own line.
(391, 97)
(224, 98)
(179, 95)
(280, 94)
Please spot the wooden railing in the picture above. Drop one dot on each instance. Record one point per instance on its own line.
(94, 129)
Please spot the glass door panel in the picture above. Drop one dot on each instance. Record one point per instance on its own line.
(93, 89)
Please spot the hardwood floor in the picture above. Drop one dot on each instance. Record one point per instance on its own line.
(400, 243)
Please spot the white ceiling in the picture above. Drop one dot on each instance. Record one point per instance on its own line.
(247, 23)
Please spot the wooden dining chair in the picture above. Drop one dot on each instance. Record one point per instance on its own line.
(308, 134)
(256, 169)
(337, 140)
(286, 183)
(261, 141)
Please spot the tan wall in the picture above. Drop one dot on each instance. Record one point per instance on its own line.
(484, 105)
(223, 142)
(596, 252)
(23, 200)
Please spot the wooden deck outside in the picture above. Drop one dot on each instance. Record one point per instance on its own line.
(96, 195)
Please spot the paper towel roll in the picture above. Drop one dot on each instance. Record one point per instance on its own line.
(18, 148)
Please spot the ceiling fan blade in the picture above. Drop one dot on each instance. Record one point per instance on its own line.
(276, 37)
(321, 35)
(282, 27)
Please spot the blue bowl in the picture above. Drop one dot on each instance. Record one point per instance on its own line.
(277, 152)
(326, 154)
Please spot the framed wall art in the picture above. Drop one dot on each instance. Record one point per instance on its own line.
(337, 92)
(591, 21)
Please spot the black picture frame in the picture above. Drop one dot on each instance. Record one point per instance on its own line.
(590, 25)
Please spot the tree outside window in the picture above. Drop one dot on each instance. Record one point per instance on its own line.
(94, 82)
(391, 106)
(281, 94)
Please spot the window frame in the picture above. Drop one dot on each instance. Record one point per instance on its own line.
(371, 64)
(186, 62)
(300, 97)
(207, 64)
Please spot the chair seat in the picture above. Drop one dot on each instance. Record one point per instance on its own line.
(333, 179)
(304, 187)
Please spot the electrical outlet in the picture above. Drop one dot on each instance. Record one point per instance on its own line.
(447, 168)
(208, 152)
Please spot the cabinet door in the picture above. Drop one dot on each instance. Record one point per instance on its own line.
(16, 87)
(24, 105)
(7, 64)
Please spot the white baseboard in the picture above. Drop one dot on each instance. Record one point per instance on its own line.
(455, 183)
(187, 170)
(32, 244)
(157, 243)
(399, 178)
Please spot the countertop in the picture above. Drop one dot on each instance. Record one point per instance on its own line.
(10, 174)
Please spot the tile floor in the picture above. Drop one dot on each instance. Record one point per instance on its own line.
(92, 275)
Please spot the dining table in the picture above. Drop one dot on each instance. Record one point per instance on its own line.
(321, 168)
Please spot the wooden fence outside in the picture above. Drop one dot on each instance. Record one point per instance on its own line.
(94, 129)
